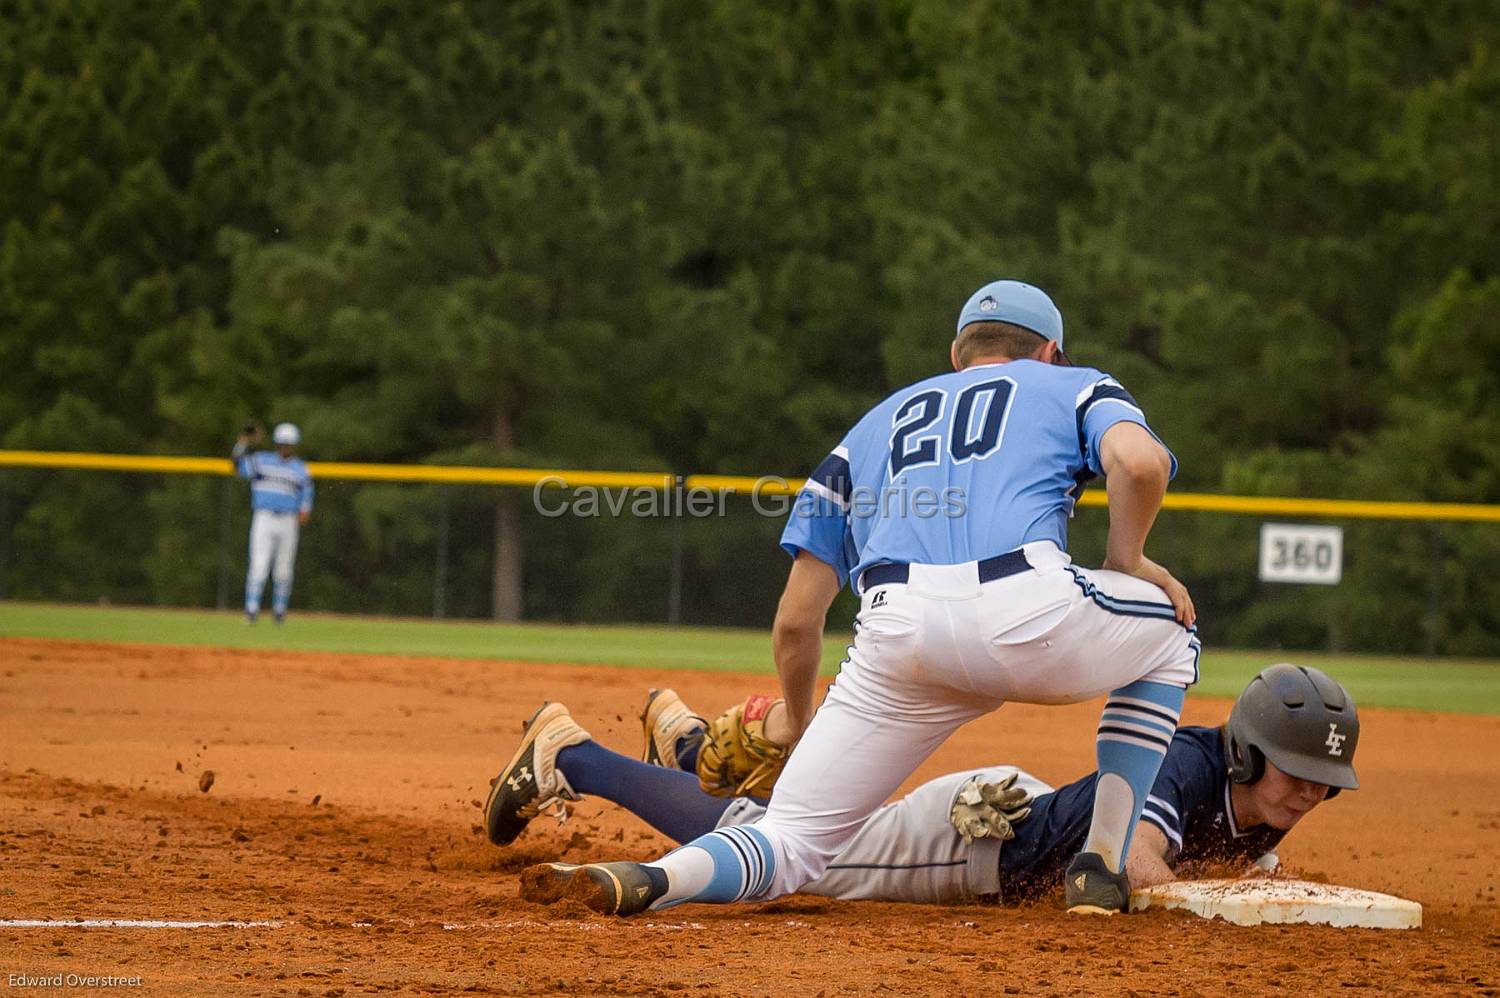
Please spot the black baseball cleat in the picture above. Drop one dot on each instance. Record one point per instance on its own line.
(608, 888)
(1090, 887)
(531, 780)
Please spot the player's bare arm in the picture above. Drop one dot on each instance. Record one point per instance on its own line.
(1137, 468)
(1147, 863)
(797, 635)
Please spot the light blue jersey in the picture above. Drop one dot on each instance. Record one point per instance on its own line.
(960, 467)
(277, 484)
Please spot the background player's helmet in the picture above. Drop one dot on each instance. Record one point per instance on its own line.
(1300, 719)
(286, 434)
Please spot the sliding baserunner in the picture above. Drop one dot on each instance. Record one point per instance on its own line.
(1224, 795)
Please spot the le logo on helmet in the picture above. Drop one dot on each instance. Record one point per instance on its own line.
(1335, 740)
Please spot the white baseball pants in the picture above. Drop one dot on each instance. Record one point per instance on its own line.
(940, 650)
(273, 551)
(909, 850)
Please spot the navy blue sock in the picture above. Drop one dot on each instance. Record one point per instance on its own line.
(687, 751)
(668, 800)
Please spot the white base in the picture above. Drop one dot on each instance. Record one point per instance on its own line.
(1264, 901)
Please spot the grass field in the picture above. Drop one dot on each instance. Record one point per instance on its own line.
(1462, 686)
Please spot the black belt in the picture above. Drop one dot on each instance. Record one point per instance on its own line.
(999, 567)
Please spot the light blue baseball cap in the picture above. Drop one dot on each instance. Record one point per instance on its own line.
(1016, 302)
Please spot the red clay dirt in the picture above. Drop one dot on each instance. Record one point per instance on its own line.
(344, 805)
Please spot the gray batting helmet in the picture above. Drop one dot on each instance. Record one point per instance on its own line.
(286, 434)
(1301, 720)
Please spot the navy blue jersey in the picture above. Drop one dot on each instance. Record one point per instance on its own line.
(1189, 803)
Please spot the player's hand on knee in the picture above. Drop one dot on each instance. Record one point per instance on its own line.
(1149, 571)
(988, 810)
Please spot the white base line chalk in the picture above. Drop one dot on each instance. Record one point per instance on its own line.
(150, 923)
(127, 923)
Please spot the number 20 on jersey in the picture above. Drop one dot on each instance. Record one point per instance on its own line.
(973, 431)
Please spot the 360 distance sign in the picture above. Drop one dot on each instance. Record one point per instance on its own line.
(1291, 553)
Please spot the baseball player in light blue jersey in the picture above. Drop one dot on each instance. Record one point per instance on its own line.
(945, 508)
(281, 496)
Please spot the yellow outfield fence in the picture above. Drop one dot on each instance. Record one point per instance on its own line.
(1356, 509)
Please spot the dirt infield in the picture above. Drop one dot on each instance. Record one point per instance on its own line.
(343, 806)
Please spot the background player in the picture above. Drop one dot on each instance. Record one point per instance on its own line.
(962, 611)
(281, 496)
(1224, 795)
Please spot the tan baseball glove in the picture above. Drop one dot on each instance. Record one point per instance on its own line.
(737, 758)
(988, 810)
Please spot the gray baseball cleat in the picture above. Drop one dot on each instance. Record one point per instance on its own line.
(531, 780)
(1090, 887)
(608, 888)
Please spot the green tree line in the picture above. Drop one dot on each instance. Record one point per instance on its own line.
(704, 237)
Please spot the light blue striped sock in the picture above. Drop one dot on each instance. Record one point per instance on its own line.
(1134, 732)
(728, 865)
